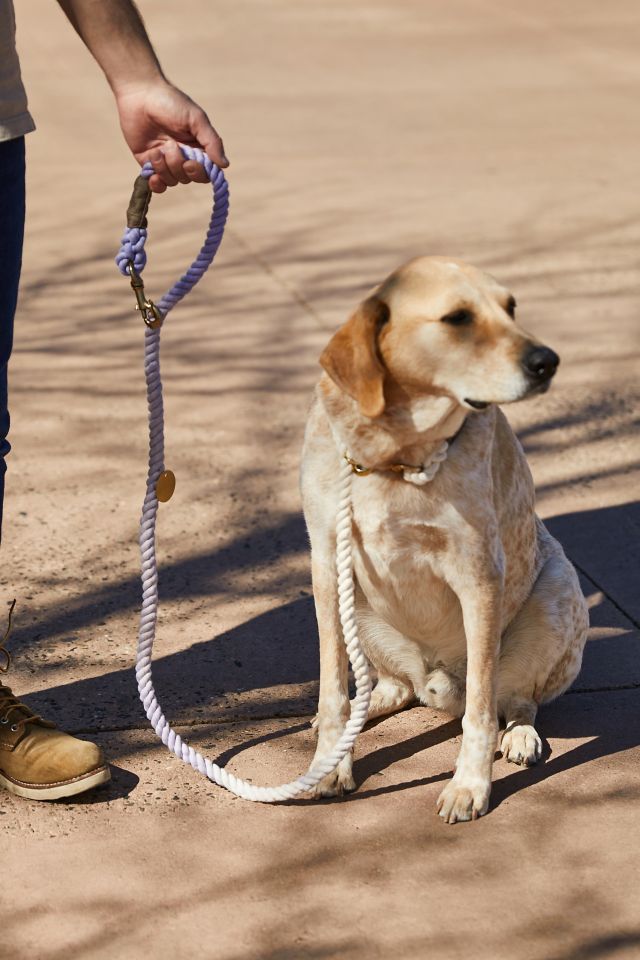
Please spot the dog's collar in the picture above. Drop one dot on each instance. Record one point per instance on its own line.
(418, 475)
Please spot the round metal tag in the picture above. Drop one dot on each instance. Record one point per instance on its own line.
(165, 485)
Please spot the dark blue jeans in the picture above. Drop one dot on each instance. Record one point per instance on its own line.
(11, 235)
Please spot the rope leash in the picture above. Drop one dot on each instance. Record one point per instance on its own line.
(131, 260)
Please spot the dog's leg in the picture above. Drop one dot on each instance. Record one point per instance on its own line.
(541, 653)
(466, 796)
(566, 618)
(399, 662)
(520, 742)
(333, 702)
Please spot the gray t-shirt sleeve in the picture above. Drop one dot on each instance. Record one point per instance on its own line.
(15, 119)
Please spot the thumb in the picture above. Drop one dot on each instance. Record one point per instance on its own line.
(208, 138)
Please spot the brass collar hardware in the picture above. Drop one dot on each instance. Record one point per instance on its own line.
(148, 310)
(361, 471)
(357, 468)
(403, 468)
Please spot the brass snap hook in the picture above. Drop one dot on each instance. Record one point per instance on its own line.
(150, 313)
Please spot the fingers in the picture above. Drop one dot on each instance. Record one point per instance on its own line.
(208, 138)
(171, 168)
(157, 184)
(163, 176)
(174, 163)
(195, 171)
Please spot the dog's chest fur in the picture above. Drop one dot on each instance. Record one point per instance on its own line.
(409, 542)
(400, 552)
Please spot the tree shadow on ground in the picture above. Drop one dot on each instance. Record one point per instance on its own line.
(605, 544)
(262, 668)
(206, 574)
(599, 948)
(268, 667)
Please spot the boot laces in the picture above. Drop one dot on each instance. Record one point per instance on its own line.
(9, 703)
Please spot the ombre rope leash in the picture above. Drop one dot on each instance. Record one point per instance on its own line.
(131, 260)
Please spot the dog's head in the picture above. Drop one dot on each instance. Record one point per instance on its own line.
(437, 326)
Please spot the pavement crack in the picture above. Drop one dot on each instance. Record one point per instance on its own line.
(214, 722)
(610, 689)
(289, 288)
(602, 590)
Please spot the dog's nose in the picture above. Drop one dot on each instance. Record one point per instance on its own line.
(540, 363)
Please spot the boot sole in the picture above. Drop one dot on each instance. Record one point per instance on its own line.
(56, 791)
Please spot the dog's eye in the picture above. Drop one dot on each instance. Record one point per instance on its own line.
(510, 307)
(459, 318)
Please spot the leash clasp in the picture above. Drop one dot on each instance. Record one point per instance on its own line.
(148, 310)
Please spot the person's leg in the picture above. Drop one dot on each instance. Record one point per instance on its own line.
(11, 234)
(36, 760)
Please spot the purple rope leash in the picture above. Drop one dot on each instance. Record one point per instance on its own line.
(131, 260)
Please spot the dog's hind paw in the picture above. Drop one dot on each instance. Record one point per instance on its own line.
(444, 691)
(521, 744)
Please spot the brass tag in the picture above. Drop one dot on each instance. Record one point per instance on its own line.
(165, 485)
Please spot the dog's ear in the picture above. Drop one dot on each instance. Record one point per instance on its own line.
(352, 360)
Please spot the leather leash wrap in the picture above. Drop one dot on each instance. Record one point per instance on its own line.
(131, 260)
(139, 203)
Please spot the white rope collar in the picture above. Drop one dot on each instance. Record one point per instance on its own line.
(416, 475)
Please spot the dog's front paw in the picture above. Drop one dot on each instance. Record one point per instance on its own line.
(458, 802)
(337, 783)
(521, 744)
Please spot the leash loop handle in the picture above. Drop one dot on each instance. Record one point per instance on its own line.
(131, 260)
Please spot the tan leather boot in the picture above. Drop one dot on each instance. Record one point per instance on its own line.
(36, 760)
(40, 762)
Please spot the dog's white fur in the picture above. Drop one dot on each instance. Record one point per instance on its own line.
(465, 602)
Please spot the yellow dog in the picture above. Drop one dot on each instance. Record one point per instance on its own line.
(464, 600)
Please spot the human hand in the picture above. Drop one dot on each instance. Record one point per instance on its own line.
(153, 117)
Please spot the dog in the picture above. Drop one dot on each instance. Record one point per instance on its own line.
(464, 601)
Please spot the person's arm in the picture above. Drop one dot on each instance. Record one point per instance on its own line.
(153, 113)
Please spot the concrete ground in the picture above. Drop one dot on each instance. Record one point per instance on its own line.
(360, 134)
